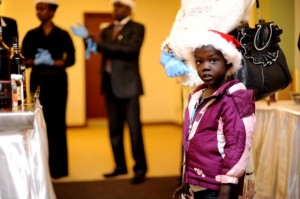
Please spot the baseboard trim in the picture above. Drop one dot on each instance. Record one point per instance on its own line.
(144, 124)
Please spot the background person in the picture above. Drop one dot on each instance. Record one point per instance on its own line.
(120, 45)
(49, 50)
(9, 28)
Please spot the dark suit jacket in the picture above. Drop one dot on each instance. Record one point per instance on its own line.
(123, 52)
(9, 31)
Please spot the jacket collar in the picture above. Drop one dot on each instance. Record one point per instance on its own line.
(123, 22)
(220, 90)
(3, 24)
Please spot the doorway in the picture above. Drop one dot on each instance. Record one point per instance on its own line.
(95, 101)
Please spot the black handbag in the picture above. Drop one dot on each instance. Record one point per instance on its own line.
(264, 67)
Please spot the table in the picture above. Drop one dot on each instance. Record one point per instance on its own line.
(276, 150)
(24, 172)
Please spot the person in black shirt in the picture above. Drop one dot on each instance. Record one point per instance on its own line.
(49, 50)
(9, 29)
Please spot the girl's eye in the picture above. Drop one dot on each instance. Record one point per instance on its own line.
(198, 62)
(213, 61)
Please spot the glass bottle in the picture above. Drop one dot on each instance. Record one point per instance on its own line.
(5, 79)
(17, 62)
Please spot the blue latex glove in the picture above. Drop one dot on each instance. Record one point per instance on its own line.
(173, 66)
(43, 57)
(40, 52)
(91, 47)
(165, 57)
(80, 31)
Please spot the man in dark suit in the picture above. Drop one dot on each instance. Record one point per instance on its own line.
(120, 45)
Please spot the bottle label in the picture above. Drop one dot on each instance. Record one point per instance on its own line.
(14, 96)
(22, 68)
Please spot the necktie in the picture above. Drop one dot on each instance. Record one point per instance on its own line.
(116, 30)
(115, 33)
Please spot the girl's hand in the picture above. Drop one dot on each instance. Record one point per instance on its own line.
(224, 191)
(182, 192)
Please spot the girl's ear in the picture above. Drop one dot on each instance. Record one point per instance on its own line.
(228, 65)
(228, 77)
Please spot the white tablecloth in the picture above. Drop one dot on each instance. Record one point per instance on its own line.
(24, 171)
(276, 150)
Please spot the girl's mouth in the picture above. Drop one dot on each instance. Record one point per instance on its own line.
(206, 77)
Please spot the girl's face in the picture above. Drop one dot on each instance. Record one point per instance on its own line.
(211, 66)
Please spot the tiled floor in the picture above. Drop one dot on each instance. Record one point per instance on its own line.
(90, 154)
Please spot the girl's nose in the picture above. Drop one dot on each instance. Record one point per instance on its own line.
(205, 66)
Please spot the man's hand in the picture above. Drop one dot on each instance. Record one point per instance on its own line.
(91, 47)
(43, 57)
(173, 66)
(80, 31)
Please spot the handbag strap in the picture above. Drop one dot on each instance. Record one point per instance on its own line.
(258, 12)
(257, 4)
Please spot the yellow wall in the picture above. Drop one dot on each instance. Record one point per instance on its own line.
(297, 53)
(161, 101)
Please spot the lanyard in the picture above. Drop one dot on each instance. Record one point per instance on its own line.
(195, 108)
(193, 114)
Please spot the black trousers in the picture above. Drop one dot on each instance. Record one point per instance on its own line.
(53, 98)
(120, 110)
(211, 194)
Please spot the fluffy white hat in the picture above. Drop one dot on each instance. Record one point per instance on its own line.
(129, 3)
(46, 1)
(225, 43)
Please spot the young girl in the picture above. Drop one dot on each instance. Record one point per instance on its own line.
(219, 122)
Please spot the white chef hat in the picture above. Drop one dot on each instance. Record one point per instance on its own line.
(129, 3)
(225, 43)
(46, 1)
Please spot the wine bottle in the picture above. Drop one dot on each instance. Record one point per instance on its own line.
(5, 79)
(17, 62)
